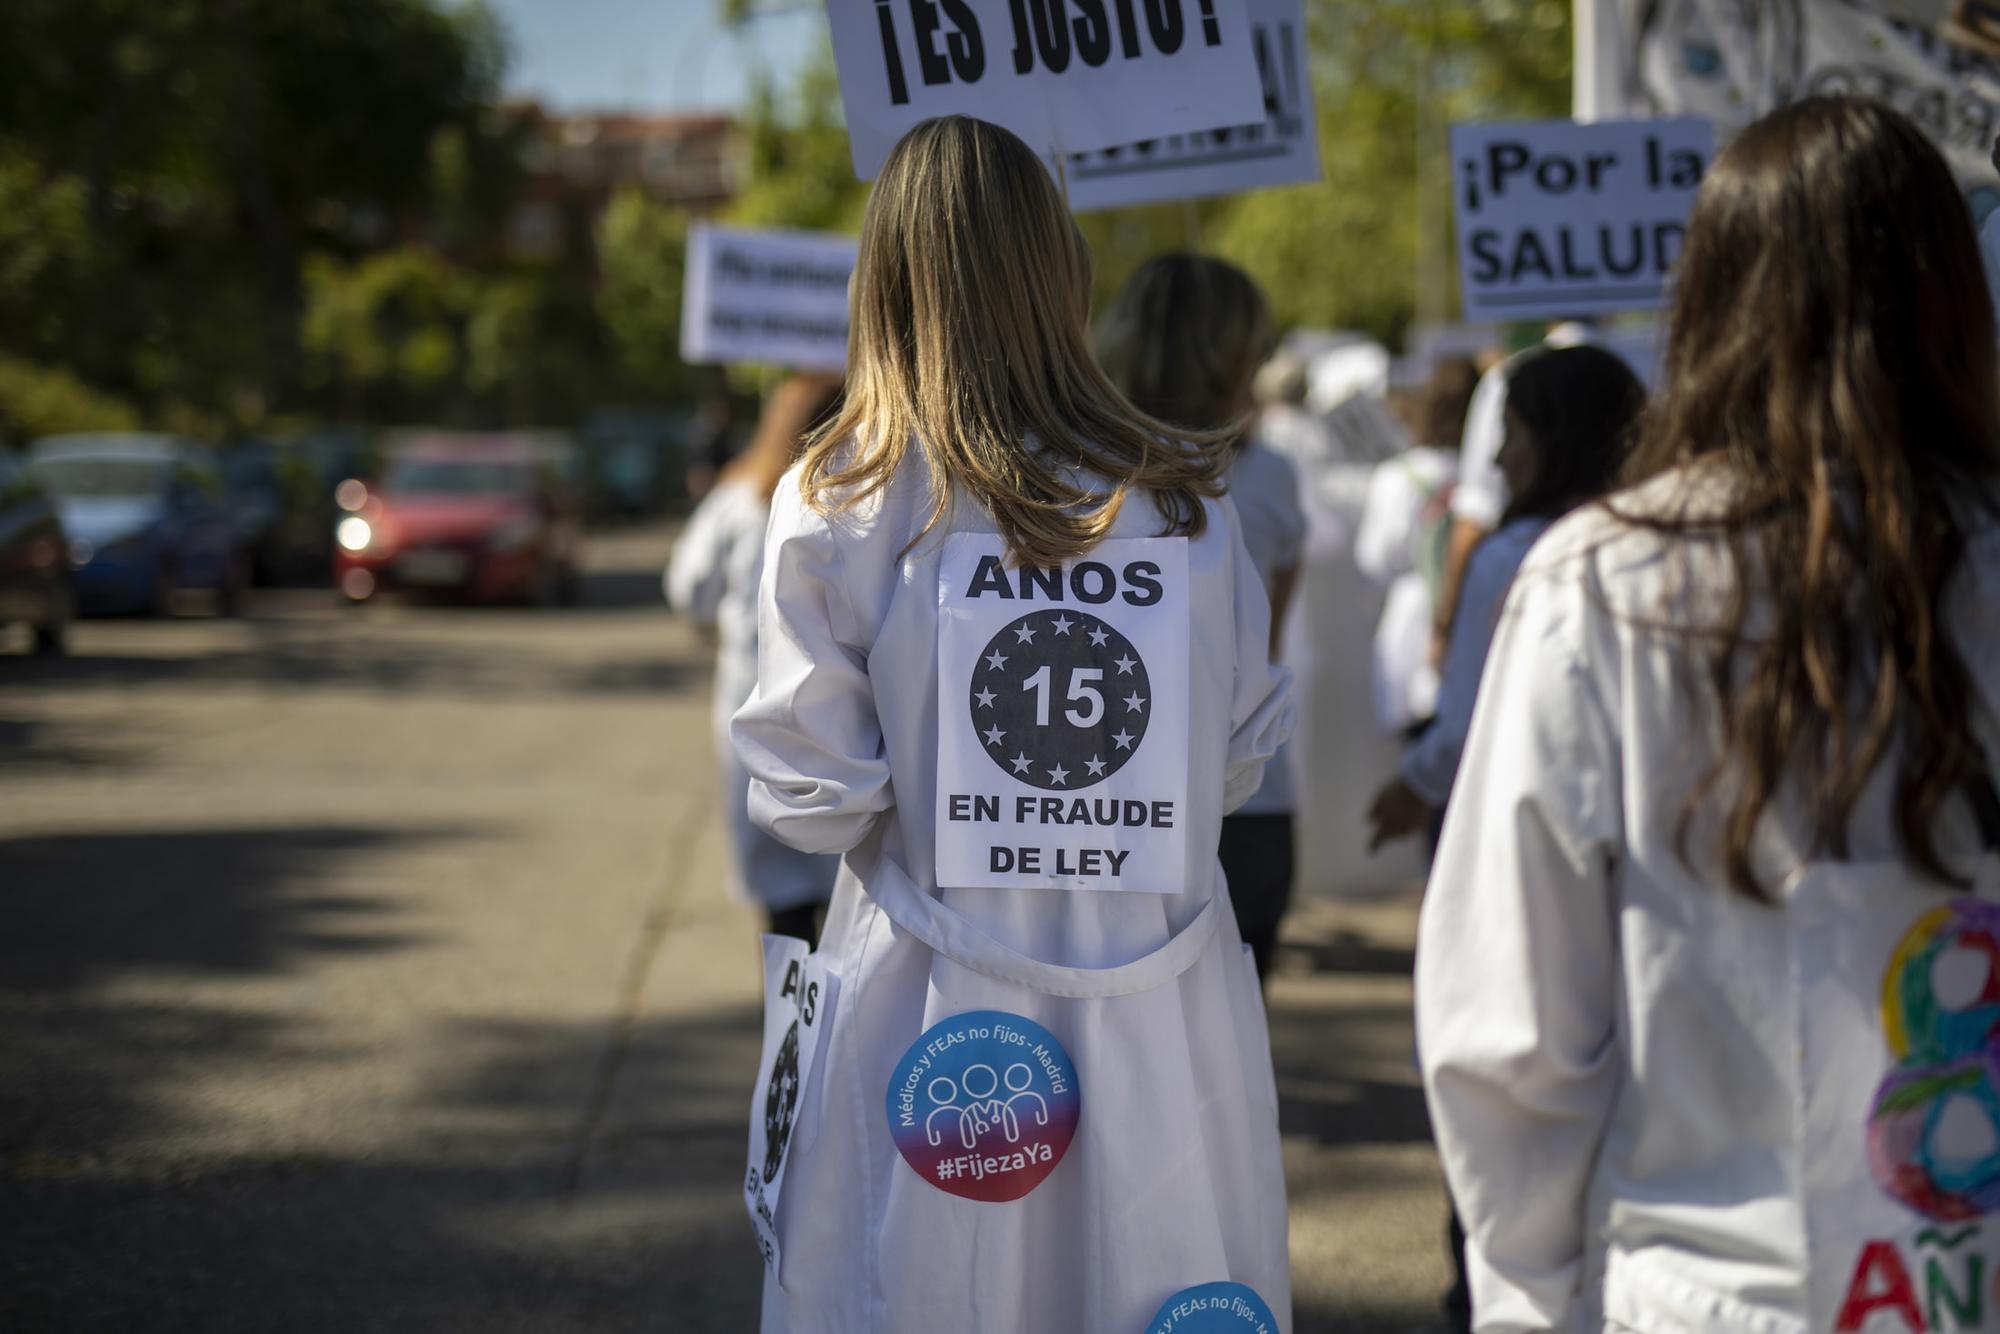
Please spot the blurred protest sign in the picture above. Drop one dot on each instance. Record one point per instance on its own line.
(1065, 75)
(767, 296)
(1556, 218)
(1937, 61)
(1280, 149)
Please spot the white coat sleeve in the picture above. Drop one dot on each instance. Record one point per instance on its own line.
(1481, 495)
(1516, 969)
(1288, 513)
(1261, 712)
(1382, 542)
(697, 575)
(809, 734)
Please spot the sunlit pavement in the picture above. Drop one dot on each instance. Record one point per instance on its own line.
(371, 970)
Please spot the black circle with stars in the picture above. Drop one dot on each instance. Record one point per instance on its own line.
(1084, 741)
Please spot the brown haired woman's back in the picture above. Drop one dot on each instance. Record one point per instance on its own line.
(1703, 996)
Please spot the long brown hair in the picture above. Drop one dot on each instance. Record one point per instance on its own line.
(1183, 340)
(968, 337)
(1832, 351)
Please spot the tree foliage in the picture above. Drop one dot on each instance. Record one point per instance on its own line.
(641, 253)
(180, 159)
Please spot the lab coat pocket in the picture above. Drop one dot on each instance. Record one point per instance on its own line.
(1897, 987)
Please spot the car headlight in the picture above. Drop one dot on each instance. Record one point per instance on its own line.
(514, 534)
(354, 533)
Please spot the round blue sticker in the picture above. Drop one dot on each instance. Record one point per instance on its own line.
(1214, 1308)
(984, 1105)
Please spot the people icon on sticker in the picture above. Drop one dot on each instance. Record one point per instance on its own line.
(1060, 700)
(1005, 1084)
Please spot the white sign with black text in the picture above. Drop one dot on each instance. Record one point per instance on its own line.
(1280, 149)
(1063, 718)
(1557, 218)
(766, 296)
(1065, 75)
(799, 992)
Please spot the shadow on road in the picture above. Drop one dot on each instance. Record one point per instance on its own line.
(86, 918)
(315, 657)
(77, 909)
(468, 1224)
(40, 744)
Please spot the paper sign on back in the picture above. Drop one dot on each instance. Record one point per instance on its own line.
(1066, 75)
(1063, 717)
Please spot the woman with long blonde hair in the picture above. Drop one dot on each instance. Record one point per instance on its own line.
(1014, 667)
(1708, 975)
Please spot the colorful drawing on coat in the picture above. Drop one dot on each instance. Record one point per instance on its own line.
(1214, 1308)
(984, 1105)
(1934, 1129)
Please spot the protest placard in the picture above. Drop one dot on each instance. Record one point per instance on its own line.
(1557, 218)
(767, 296)
(1065, 75)
(1280, 149)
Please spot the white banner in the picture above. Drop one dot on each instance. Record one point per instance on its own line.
(1281, 149)
(799, 993)
(1063, 718)
(766, 296)
(1558, 219)
(1937, 61)
(1065, 75)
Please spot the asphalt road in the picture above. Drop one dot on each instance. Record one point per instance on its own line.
(373, 970)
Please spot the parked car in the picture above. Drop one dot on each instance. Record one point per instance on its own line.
(145, 517)
(35, 585)
(489, 517)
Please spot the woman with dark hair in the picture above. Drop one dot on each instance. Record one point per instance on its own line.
(1183, 340)
(1703, 1000)
(1569, 412)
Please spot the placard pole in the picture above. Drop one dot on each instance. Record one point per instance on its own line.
(1193, 226)
(1062, 169)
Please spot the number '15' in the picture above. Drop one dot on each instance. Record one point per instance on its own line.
(1079, 688)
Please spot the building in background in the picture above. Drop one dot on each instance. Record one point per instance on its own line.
(572, 166)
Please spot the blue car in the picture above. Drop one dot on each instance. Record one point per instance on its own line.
(145, 517)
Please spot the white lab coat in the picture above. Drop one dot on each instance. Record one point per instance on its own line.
(1400, 490)
(1174, 1177)
(1265, 486)
(712, 578)
(1610, 1041)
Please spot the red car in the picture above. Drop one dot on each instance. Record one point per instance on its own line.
(487, 517)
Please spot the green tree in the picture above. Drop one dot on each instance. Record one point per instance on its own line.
(213, 143)
(382, 334)
(641, 262)
(801, 171)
